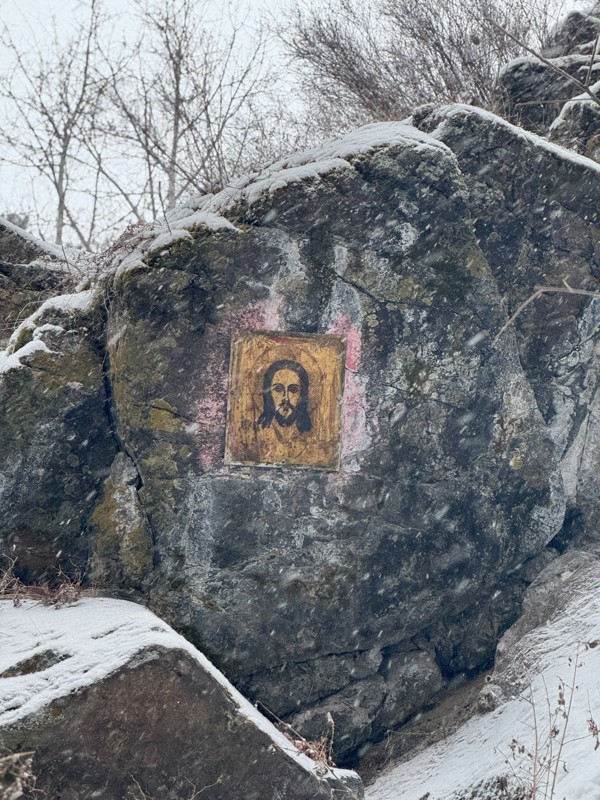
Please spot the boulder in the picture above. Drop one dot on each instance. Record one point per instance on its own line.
(446, 480)
(309, 454)
(112, 701)
(541, 94)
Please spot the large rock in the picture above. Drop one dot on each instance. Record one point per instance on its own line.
(538, 223)
(446, 481)
(56, 442)
(362, 559)
(114, 703)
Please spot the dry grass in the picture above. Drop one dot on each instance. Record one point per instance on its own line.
(16, 775)
(62, 590)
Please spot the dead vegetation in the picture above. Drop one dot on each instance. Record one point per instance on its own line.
(16, 776)
(61, 590)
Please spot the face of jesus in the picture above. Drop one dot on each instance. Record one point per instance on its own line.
(285, 391)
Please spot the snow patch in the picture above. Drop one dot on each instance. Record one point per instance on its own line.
(50, 249)
(476, 752)
(462, 110)
(13, 361)
(65, 303)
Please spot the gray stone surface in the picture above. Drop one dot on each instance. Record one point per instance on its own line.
(369, 591)
(30, 272)
(56, 443)
(447, 481)
(539, 224)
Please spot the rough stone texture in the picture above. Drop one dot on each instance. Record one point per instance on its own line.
(369, 591)
(539, 224)
(534, 95)
(56, 445)
(546, 598)
(350, 592)
(159, 725)
(122, 543)
(29, 274)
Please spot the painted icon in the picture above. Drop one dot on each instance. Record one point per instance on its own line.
(285, 394)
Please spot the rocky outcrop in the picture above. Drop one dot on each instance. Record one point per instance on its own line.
(56, 443)
(539, 225)
(446, 481)
(359, 559)
(30, 272)
(542, 96)
(538, 708)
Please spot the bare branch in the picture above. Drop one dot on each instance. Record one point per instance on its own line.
(538, 292)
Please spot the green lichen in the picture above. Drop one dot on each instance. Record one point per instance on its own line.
(416, 374)
(161, 463)
(123, 549)
(477, 264)
(163, 416)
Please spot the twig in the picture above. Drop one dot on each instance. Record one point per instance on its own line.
(538, 292)
(593, 54)
(162, 205)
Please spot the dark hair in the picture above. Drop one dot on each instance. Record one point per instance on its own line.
(303, 421)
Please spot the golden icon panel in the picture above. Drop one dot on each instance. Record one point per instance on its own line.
(285, 400)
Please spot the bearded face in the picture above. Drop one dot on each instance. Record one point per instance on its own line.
(285, 396)
(285, 391)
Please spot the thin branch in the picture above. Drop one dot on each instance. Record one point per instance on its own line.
(593, 54)
(538, 292)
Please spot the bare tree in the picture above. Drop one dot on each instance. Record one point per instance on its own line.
(361, 60)
(185, 100)
(52, 100)
(122, 131)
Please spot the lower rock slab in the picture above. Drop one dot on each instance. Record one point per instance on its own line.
(116, 705)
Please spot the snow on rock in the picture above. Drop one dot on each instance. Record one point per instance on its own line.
(335, 154)
(45, 247)
(62, 304)
(563, 651)
(17, 360)
(51, 654)
(209, 211)
(460, 109)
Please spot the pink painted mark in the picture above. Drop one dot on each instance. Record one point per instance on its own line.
(343, 326)
(211, 405)
(264, 315)
(355, 436)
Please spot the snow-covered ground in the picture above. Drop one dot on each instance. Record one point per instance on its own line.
(565, 650)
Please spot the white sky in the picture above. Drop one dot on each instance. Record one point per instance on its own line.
(31, 24)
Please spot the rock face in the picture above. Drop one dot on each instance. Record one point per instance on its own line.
(361, 548)
(24, 281)
(540, 226)
(113, 701)
(538, 97)
(446, 480)
(56, 446)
